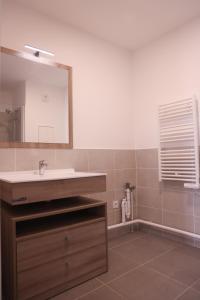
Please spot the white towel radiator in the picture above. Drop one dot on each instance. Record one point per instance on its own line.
(179, 146)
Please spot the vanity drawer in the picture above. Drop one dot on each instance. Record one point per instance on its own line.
(90, 261)
(36, 281)
(86, 236)
(50, 246)
(40, 250)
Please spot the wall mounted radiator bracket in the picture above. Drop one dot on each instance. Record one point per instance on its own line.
(179, 142)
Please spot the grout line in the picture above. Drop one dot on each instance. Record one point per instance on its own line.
(126, 242)
(193, 219)
(147, 168)
(168, 277)
(115, 291)
(162, 206)
(139, 266)
(89, 292)
(188, 288)
(107, 284)
(96, 289)
(159, 208)
(136, 192)
(198, 291)
(167, 210)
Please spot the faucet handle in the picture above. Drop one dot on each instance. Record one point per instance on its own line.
(43, 163)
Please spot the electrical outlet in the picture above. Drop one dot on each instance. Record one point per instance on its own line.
(116, 204)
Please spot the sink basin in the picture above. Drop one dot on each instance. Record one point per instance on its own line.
(31, 176)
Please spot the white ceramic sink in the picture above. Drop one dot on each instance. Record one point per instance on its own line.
(30, 176)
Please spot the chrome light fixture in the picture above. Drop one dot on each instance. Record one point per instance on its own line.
(37, 51)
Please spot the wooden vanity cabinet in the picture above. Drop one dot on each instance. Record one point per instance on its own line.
(50, 247)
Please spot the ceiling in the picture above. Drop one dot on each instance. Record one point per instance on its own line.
(127, 23)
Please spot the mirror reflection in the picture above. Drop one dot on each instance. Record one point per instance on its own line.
(34, 101)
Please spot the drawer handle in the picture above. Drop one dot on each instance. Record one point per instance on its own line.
(20, 199)
(66, 239)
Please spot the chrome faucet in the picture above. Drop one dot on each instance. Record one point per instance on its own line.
(42, 167)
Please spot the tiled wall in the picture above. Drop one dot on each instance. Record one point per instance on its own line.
(167, 204)
(170, 203)
(120, 166)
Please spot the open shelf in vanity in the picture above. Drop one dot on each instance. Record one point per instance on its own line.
(52, 246)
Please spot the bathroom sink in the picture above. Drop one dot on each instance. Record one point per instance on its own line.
(31, 176)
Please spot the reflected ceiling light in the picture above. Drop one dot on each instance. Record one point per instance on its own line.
(37, 51)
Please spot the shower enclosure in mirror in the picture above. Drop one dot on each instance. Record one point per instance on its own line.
(35, 102)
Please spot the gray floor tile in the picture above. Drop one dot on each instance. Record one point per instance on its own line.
(182, 264)
(128, 237)
(189, 295)
(149, 282)
(76, 292)
(144, 249)
(145, 284)
(117, 266)
(196, 286)
(103, 293)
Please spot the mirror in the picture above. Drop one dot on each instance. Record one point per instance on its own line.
(35, 102)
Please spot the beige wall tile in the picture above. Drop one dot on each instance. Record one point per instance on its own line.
(100, 159)
(110, 218)
(124, 159)
(28, 159)
(173, 185)
(196, 204)
(7, 160)
(180, 221)
(109, 178)
(119, 195)
(197, 243)
(117, 216)
(150, 214)
(180, 202)
(149, 197)
(77, 159)
(197, 225)
(123, 176)
(147, 158)
(105, 196)
(147, 178)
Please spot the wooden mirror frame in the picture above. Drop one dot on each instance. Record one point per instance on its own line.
(42, 60)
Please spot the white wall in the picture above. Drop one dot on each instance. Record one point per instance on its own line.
(105, 108)
(101, 76)
(49, 112)
(166, 70)
(19, 95)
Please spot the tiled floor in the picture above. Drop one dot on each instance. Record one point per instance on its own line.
(144, 267)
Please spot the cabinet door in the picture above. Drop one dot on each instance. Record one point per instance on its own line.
(36, 281)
